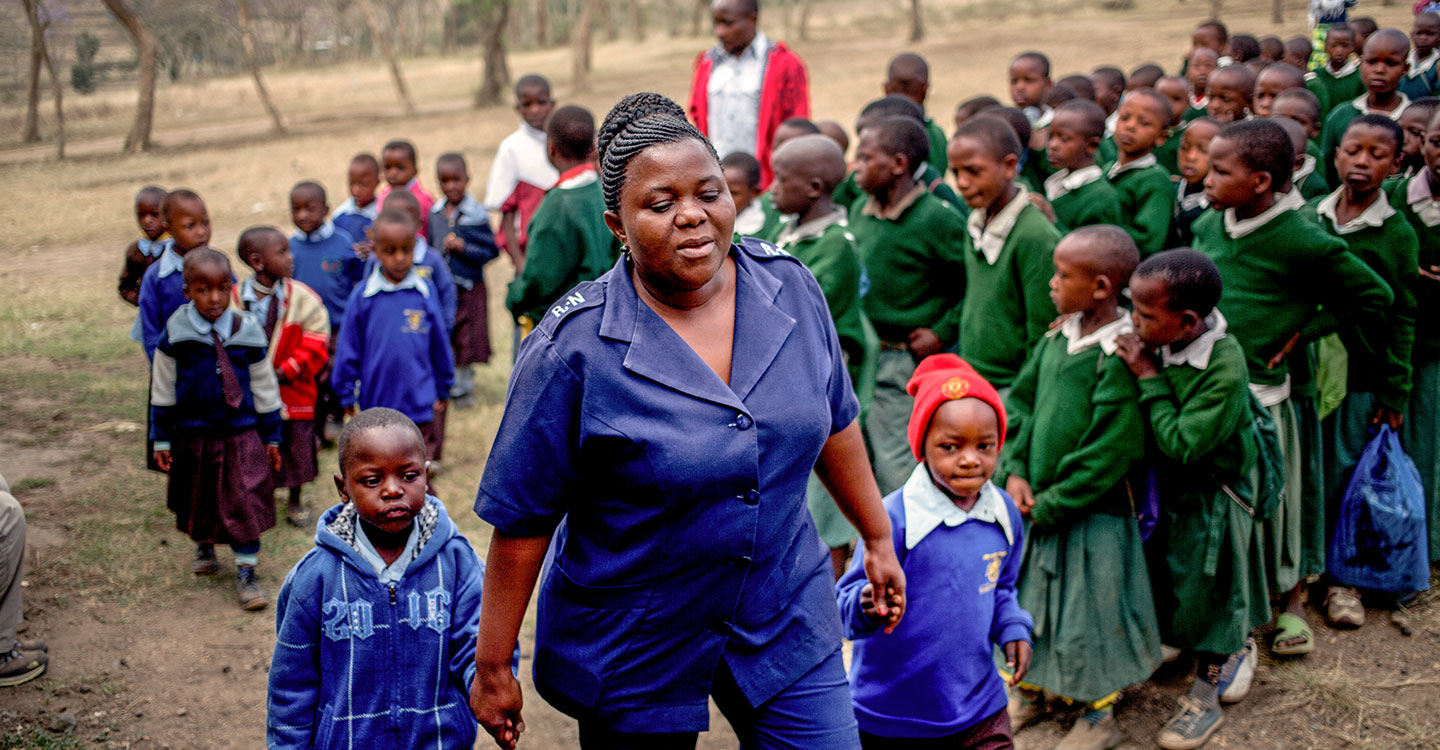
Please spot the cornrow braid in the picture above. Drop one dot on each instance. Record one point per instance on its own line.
(635, 124)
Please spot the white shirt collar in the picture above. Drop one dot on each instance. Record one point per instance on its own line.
(1199, 102)
(1420, 67)
(323, 233)
(249, 294)
(377, 283)
(170, 261)
(751, 220)
(1103, 337)
(370, 211)
(1237, 227)
(1111, 122)
(1361, 103)
(1197, 354)
(1422, 201)
(1118, 169)
(468, 206)
(926, 507)
(203, 327)
(1374, 214)
(395, 571)
(990, 238)
(422, 249)
(756, 50)
(1189, 201)
(1307, 167)
(795, 232)
(1044, 114)
(1350, 66)
(1064, 181)
(153, 248)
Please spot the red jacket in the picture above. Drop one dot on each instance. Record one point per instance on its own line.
(299, 348)
(784, 93)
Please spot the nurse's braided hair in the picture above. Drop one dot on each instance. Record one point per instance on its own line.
(638, 122)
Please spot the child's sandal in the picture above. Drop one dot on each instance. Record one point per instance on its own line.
(1343, 608)
(1292, 637)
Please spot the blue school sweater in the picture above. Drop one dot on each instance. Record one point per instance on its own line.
(394, 343)
(472, 224)
(354, 220)
(432, 267)
(325, 261)
(185, 391)
(361, 663)
(162, 292)
(935, 675)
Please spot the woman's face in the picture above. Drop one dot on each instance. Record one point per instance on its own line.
(676, 216)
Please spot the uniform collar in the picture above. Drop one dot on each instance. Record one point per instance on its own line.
(222, 324)
(153, 248)
(395, 571)
(1200, 102)
(1421, 67)
(170, 261)
(1103, 337)
(1350, 66)
(794, 232)
(990, 238)
(1044, 114)
(1197, 354)
(1190, 201)
(927, 507)
(1422, 201)
(1118, 169)
(1307, 167)
(325, 231)
(1374, 214)
(1237, 228)
(377, 283)
(422, 249)
(657, 353)
(251, 292)
(468, 206)
(756, 50)
(577, 177)
(1361, 103)
(872, 206)
(534, 134)
(1065, 180)
(370, 210)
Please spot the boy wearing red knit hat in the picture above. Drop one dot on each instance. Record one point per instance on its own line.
(959, 537)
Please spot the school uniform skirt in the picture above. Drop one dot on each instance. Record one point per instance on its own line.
(1421, 437)
(1088, 588)
(299, 463)
(221, 488)
(471, 339)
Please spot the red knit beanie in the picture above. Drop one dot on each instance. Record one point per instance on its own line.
(941, 378)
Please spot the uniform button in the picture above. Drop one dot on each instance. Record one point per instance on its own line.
(743, 422)
(752, 497)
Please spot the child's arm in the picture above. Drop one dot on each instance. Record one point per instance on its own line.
(1190, 431)
(1345, 288)
(465, 616)
(1036, 266)
(162, 401)
(1011, 626)
(855, 594)
(292, 702)
(1015, 457)
(1110, 445)
(510, 239)
(152, 325)
(345, 369)
(445, 288)
(442, 357)
(557, 250)
(478, 245)
(131, 272)
(309, 357)
(265, 390)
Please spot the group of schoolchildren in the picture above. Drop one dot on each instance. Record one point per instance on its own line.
(1106, 324)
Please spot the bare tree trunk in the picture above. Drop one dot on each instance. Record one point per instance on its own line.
(451, 28)
(608, 12)
(1215, 8)
(1277, 12)
(580, 44)
(917, 23)
(247, 45)
(697, 12)
(542, 22)
(495, 71)
(804, 20)
(139, 137)
(31, 131)
(637, 20)
(400, 88)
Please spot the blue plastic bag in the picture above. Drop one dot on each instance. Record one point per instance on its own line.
(1380, 540)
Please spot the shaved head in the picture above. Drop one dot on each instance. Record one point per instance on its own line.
(813, 156)
(1389, 40)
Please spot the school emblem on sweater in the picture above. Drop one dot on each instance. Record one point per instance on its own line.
(345, 620)
(414, 321)
(955, 388)
(424, 272)
(992, 567)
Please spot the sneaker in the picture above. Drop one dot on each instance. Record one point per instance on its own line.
(299, 517)
(35, 645)
(1192, 726)
(1238, 673)
(248, 591)
(1023, 708)
(1169, 654)
(1093, 733)
(19, 667)
(205, 563)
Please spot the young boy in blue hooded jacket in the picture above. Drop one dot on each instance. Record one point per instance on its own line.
(375, 627)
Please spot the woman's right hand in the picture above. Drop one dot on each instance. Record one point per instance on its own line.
(495, 699)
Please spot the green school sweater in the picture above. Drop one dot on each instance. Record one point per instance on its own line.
(774, 220)
(916, 266)
(1334, 130)
(1168, 153)
(1108, 152)
(1379, 354)
(1074, 431)
(1427, 230)
(1200, 417)
(1333, 91)
(1285, 276)
(1035, 170)
(1007, 305)
(1194, 113)
(1147, 198)
(847, 193)
(831, 254)
(1095, 202)
(1313, 185)
(568, 243)
(939, 160)
(934, 181)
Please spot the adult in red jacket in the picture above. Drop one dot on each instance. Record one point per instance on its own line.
(746, 85)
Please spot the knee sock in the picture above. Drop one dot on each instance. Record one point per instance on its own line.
(1207, 677)
(246, 554)
(1097, 711)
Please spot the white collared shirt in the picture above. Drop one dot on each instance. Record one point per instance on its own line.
(422, 249)
(1197, 354)
(796, 232)
(1199, 103)
(520, 158)
(1350, 66)
(1103, 337)
(751, 220)
(377, 283)
(1307, 167)
(926, 507)
(1237, 227)
(370, 211)
(990, 238)
(1361, 103)
(1111, 122)
(1040, 117)
(1118, 169)
(1065, 181)
(734, 97)
(170, 261)
(257, 305)
(1421, 67)
(395, 571)
(222, 324)
(322, 233)
(1422, 200)
(1189, 201)
(1374, 214)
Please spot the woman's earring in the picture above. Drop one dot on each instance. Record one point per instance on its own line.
(625, 250)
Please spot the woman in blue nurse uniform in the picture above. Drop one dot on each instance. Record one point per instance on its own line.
(665, 418)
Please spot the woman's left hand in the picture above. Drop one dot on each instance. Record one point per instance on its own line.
(883, 570)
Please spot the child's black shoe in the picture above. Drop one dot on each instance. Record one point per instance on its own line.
(205, 563)
(248, 591)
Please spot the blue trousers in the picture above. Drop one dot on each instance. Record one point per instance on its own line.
(812, 714)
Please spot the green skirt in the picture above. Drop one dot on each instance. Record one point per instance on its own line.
(1088, 588)
(1283, 531)
(1210, 589)
(1314, 528)
(1421, 438)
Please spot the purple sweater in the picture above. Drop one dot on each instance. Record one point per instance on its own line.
(935, 675)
